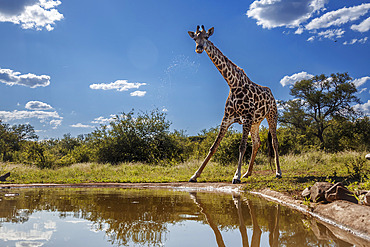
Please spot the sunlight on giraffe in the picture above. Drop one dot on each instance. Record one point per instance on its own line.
(247, 104)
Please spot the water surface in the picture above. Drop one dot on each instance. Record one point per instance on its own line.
(148, 217)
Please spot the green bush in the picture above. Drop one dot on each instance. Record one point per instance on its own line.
(146, 137)
(130, 137)
(228, 150)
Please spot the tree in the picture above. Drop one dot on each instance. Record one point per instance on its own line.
(12, 137)
(142, 137)
(317, 101)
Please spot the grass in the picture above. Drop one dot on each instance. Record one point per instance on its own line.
(122, 173)
(299, 172)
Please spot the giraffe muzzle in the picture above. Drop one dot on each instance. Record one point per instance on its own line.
(199, 49)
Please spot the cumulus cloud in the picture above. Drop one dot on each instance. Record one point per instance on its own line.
(55, 123)
(31, 14)
(103, 120)
(339, 17)
(38, 105)
(119, 85)
(354, 41)
(138, 93)
(361, 81)
(278, 13)
(309, 16)
(363, 26)
(36, 110)
(11, 78)
(365, 108)
(80, 125)
(17, 115)
(290, 80)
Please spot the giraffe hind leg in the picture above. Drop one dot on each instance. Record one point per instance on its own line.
(256, 142)
(272, 121)
(242, 148)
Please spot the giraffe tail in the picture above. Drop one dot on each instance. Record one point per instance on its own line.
(270, 150)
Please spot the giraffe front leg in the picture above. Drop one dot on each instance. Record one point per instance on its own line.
(224, 126)
(242, 148)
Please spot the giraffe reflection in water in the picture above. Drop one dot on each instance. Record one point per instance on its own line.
(143, 217)
(256, 230)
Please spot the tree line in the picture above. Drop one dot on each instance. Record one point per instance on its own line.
(320, 116)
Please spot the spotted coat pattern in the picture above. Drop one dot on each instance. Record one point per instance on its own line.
(247, 104)
(247, 101)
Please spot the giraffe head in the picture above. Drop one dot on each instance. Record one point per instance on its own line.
(201, 38)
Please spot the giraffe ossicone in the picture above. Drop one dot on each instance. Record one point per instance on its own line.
(247, 104)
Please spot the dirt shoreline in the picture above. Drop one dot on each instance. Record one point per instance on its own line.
(347, 221)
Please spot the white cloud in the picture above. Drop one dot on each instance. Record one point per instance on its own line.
(290, 80)
(119, 85)
(43, 116)
(363, 26)
(11, 78)
(279, 13)
(362, 41)
(38, 105)
(312, 38)
(339, 17)
(354, 41)
(331, 33)
(55, 123)
(138, 93)
(103, 120)
(49, 4)
(16, 115)
(361, 81)
(362, 90)
(309, 16)
(80, 125)
(365, 108)
(299, 30)
(31, 14)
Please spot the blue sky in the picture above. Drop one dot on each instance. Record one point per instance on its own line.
(68, 66)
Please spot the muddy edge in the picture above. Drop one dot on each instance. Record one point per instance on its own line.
(348, 217)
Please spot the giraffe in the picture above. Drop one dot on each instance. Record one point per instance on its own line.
(247, 104)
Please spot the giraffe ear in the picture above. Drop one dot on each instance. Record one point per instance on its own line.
(191, 34)
(210, 31)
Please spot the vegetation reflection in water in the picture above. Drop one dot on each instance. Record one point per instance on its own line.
(139, 217)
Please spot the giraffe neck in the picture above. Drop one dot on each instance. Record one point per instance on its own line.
(233, 75)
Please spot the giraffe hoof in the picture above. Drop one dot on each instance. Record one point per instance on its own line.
(192, 180)
(278, 176)
(236, 181)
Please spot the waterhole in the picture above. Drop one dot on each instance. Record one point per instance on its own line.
(152, 217)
